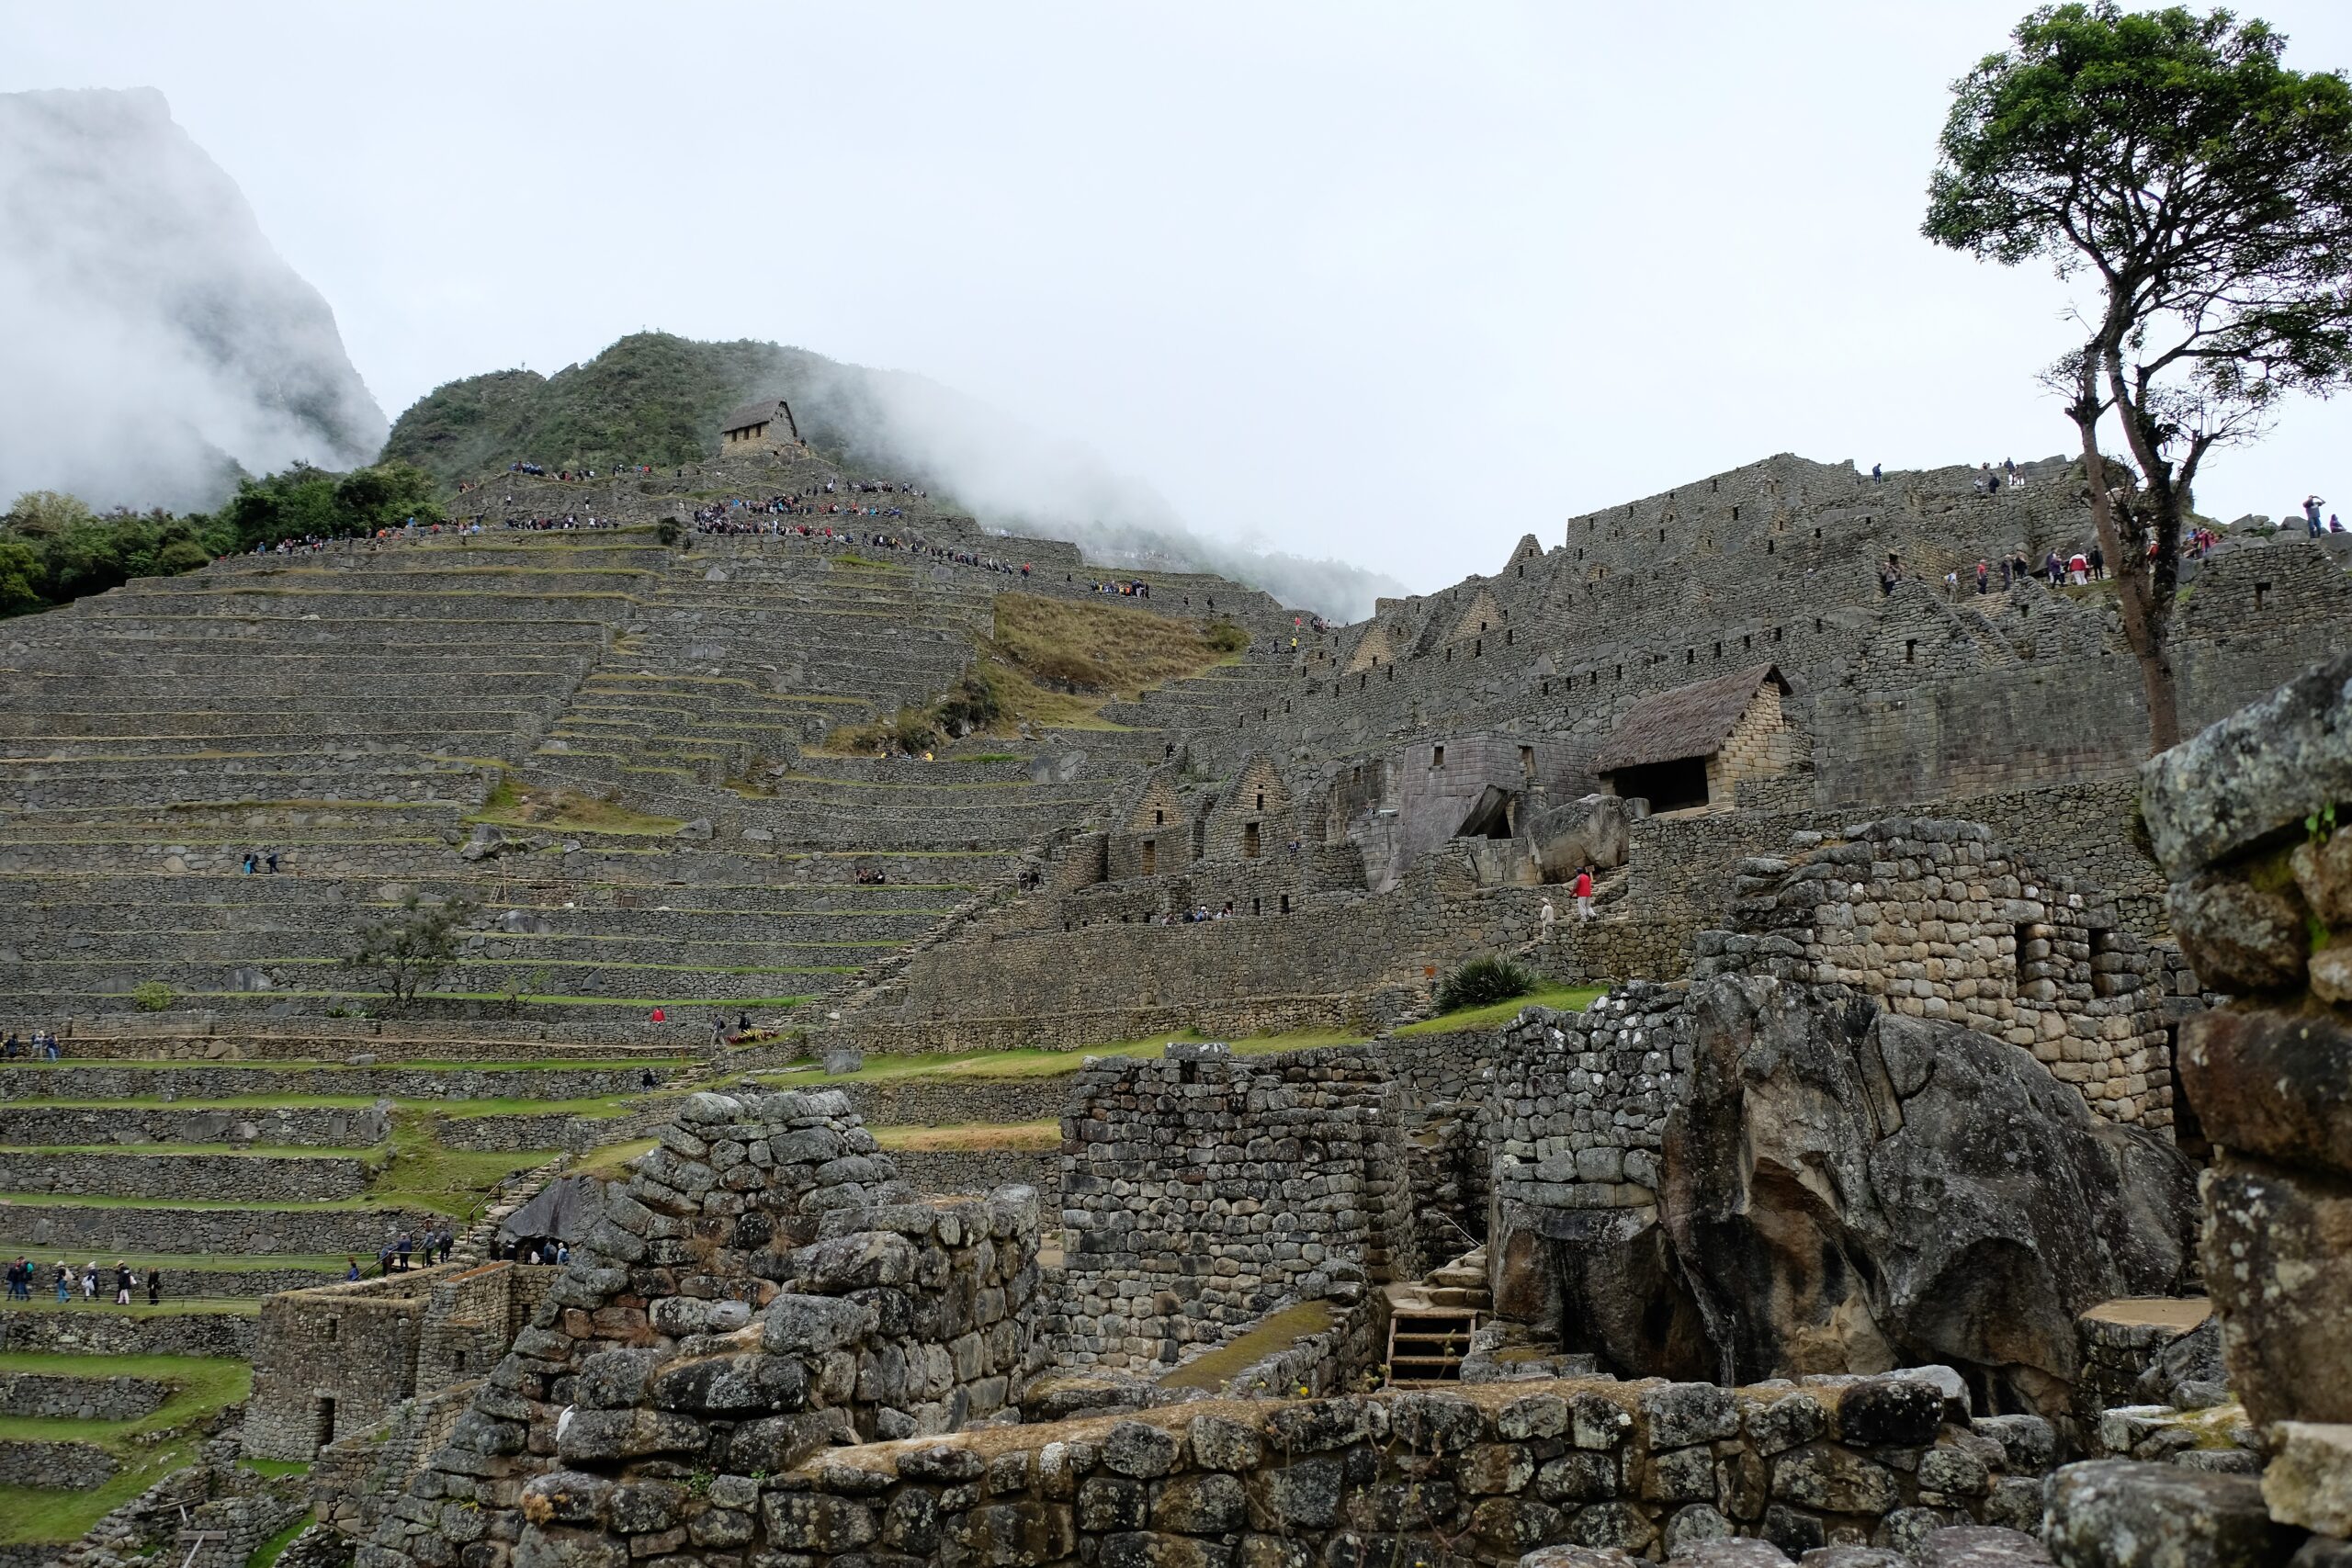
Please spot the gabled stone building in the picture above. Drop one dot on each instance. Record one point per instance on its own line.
(765, 423)
(1691, 746)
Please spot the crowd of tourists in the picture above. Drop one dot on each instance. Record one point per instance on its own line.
(400, 1252)
(564, 523)
(30, 1281)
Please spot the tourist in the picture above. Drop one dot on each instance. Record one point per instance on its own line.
(65, 1284)
(1582, 893)
(1545, 916)
(1983, 577)
(2311, 505)
(2099, 561)
(90, 1281)
(407, 1246)
(154, 1285)
(351, 1270)
(122, 1283)
(2079, 569)
(2052, 570)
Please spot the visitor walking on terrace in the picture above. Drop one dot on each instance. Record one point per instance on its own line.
(154, 1285)
(1545, 917)
(1583, 894)
(65, 1284)
(122, 1283)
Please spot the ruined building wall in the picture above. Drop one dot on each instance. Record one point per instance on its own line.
(1201, 1189)
(332, 1361)
(764, 1287)
(1935, 920)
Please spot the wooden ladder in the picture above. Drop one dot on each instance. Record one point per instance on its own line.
(1426, 1344)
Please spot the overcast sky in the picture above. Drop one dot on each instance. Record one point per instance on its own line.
(1395, 284)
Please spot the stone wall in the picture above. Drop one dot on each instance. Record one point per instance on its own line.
(129, 1174)
(1201, 1189)
(876, 1315)
(334, 1361)
(131, 1334)
(255, 1230)
(978, 1171)
(80, 1399)
(1936, 920)
(62, 1466)
(1480, 1476)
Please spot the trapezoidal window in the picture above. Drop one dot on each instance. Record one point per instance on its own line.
(1249, 840)
(1668, 787)
(325, 1430)
(1150, 856)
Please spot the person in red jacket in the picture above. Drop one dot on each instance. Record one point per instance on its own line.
(1583, 894)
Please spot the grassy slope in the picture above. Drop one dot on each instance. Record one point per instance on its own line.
(203, 1384)
(1566, 999)
(1053, 663)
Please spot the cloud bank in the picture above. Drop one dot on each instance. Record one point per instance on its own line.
(151, 340)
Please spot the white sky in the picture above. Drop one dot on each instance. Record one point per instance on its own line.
(1396, 284)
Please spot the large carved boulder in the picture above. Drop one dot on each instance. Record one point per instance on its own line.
(1850, 1190)
(1596, 830)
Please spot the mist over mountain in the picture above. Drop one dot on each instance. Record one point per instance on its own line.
(653, 398)
(152, 339)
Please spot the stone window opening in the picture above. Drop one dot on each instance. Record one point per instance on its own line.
(325, 1433)
(1772, 548)
(1910, 649)
(1150, 856)
(1817, 532)
(1257, 906)
(1747, 641)
(1776, 634)
(1816, 625)
(1719, 650)
(1262, 800)
(1449, 656)
(1159, 817)
(1249, 840)
(1360, 680)
(1478, 648)
(332, 1324)
(1437, 756)
(1662, 536)
(1621, 671)
(1735, 513)
(2261, 594)
(1392, 671)
(1712, 485)
(1690, 656)
(1286, 903)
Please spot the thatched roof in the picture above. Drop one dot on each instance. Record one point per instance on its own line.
(1688, 721)
(766, 411)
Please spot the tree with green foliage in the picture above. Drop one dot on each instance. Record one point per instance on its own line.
(2207, 192)
(407, 949)
(304, 501)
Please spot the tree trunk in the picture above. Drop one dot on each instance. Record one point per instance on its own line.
(2147, 604)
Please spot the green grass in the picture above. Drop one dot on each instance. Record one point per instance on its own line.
(1215, 1367)
(971, 1138)
(202, 1384)
(271, 1550)
(1566, 999)
(1038, 1063)
(417, 1171)
(611, 1162)
(201, 1263)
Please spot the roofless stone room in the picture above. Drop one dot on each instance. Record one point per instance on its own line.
(1242, 878)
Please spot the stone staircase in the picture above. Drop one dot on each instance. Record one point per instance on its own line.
(1432, 1321)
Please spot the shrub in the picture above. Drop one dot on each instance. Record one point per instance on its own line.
(1481, 983)
(151, 996)
(1226, 637)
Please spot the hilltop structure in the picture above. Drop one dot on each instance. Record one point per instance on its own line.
(734, 777)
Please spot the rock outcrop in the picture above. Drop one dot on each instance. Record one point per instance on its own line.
(1849, 1190)
(2255, 813)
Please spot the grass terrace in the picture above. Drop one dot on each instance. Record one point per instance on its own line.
(147, 1448)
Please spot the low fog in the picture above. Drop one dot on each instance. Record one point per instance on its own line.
(1026, 481)
(152, 341)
